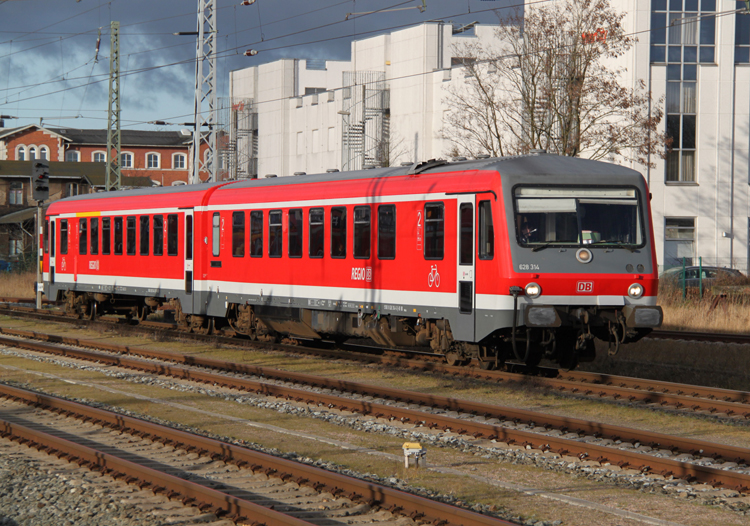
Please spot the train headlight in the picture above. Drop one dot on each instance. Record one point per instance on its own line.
(533, 290)
(635, 290)
(584, 255)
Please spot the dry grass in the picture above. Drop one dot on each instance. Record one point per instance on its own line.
(17, 284)
(723, 308)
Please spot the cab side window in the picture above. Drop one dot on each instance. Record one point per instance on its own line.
(486, 231)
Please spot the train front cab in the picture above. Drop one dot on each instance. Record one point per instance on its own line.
(583, 265)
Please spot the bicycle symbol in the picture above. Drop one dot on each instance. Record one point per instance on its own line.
(433, 277)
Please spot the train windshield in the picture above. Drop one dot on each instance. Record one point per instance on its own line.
(565, 216)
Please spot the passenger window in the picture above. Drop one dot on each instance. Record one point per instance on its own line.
(466, 240)
(215, 234)
(46, 236)
(172, 237)
(386, 231)
(63, 236)
(106, 240)
(83, 238)
(145, 241)
(486, 231)
(256, 234)
(94, 236)
(295, 233)
(238, 234)
(158, 235)
(118, 236)
(275, 240)
(130, 236)
(338, 232)
(317, 232)
(362, 233)
(434, 230)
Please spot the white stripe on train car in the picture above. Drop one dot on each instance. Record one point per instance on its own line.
(121, 281)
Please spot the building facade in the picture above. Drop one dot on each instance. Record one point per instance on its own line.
(163, 156)
(387, 105)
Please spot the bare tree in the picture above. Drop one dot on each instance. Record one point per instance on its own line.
(550, 81)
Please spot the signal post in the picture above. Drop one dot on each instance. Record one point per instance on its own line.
(40, 186)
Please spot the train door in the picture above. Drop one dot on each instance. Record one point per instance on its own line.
(466, 265)
(52, 250)
(189, 251)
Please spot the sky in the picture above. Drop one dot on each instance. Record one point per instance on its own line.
(50, 70)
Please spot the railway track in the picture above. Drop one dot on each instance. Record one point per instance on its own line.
(686, 398)
(245, 486)
(573, 439)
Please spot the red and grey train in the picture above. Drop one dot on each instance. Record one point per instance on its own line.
(518, 258)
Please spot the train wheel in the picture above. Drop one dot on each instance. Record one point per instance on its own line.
(203, 328)
(142, 312)
(456, 359)
(93, 311)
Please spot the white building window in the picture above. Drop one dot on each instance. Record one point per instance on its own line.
(126, 160)
(152, 160)
(315, 141)
(300, 143)
(15, 195)
(179, 161)
(44, 153)
(15, 247)
(72, 156)
(21, 153)
(71, 189)
(32, 153)
(679, 241)
(99, 157)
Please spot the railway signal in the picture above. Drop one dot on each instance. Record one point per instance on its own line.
(40, 179)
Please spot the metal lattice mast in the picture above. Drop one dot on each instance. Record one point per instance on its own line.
(114, 140)
(205, 92)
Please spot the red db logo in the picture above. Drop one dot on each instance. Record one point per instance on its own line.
(585, 286)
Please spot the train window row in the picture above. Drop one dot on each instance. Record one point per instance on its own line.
(316, 220)
(118, 234)
(111, 230)
(434, 232)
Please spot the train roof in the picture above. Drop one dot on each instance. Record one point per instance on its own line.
(522, 165)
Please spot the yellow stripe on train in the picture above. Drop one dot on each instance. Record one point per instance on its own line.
(88, 214)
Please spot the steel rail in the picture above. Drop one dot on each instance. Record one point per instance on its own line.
(203, 497)
(713, 337)
(416, 507)
(712, 400)
(528, 439)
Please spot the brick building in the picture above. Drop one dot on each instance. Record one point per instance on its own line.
(17, 206)
(163, 156)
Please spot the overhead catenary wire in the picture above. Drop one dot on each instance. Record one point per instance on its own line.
(224, 53)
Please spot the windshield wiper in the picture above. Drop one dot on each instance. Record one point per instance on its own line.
(631, 248)
(540, 247)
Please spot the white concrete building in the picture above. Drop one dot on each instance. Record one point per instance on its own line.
(313, 116)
